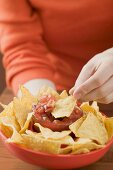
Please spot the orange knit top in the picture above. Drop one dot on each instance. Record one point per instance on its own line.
(52, 39)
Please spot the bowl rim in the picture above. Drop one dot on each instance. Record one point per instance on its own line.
(4, 138)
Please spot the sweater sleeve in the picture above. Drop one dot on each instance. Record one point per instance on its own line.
(26, 55)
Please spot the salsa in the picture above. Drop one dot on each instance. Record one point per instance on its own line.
(42, 114)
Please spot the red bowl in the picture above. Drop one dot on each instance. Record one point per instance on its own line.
(55, 161)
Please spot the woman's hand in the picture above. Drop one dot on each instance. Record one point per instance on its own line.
(95, 81)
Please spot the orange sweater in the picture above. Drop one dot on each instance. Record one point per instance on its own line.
(52, 39)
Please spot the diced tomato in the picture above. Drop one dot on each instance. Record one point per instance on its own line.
(78, 104)
(42, 115)
(47, 99)
(45, 105)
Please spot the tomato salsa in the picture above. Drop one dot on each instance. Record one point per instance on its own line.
(42, 114)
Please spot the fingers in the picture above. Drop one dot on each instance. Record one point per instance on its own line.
(71, 91)
(100, 92)
(106, 100)
(85, 74)
(96, 80)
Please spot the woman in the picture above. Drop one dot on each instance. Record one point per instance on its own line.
(48, 42)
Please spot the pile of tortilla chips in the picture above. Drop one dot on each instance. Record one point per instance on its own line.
(92, 131)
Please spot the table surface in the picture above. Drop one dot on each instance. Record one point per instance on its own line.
(8, 161)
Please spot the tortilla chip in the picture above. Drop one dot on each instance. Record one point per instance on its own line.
(45, 90)
(64, 107)
(26, 125)
(7, 131)
(64, 94)
(10, 120)
(39, 144)
(25, 93)
(65, 140)
(7, 117)
(68, 140)
(49, 134)
(15, 137)
(84, 145)
(3, 105)
(8, 110)
(31, 133)
(92, 109)
(21, 110)
(87, 108)
(92, 128)
(81, 151)
(23, 106)
(27, 96)
(109, 126)
(95, 106)
(76, 125)
(66, 150)
(82, 140)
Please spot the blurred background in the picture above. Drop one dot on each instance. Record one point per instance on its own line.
(2, 76)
